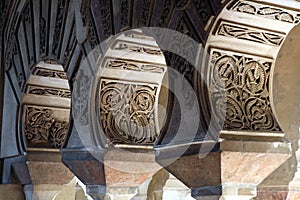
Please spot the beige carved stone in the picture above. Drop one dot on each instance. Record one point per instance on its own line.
(249, 51)
(46, 107)
(127, 105)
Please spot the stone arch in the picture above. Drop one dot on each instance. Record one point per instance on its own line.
(68, 31)
(255, 34)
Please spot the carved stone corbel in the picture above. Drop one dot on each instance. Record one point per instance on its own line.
(243, 49)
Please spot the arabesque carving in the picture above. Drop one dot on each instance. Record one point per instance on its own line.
(81, 91)
(134, 66)
(136, 48)
(50, 73)
(38, 90)
(245, 81)
(127, 112)
(42, 129)
(251, 34)
(271, 12)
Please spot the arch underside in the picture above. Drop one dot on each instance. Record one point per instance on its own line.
(241, 40)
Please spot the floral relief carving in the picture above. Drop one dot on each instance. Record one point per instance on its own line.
(106, 11)
(182, 4)
(245, 81)
(42, 129)
(124, 5)
(146, 12)
(37, 90)
(136, 48)
(251, 34)
(80, 92)
(58, 25)
(267, 11)
(138, 36)
(204, 10)
(50, 73)
(168, 7)
(127, 112)
(134, 66)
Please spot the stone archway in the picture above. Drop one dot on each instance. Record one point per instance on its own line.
(246, 35)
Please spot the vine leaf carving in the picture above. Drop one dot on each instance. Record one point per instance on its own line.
(81, 90)
(267, 11)
(42, 129)
(245, 81)
(246, 33)
(127, 112)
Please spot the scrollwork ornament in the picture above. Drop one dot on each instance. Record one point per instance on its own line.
(80, 93)
(250, 34)
(272, 12)
(246, 85)
(127, 112)
(42, 129)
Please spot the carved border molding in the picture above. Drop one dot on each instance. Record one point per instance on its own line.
(247, 33)
(49, 73)
(121, 45)
(45, 91)
(134, 66)
(267, 11)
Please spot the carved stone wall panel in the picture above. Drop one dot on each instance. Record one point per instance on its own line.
(61, 14)
(27, 22)
(125, 14)
(267, 11)
(242, 50)
(166, 13)
(81, 92)
(127, 111)
(242, 32)
(66, 32)
(186, 27)
(204, 10)
(44, 27)
(106, 14)
(246, 82)
(43, 127)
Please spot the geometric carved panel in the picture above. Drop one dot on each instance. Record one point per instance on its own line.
(127, 112)
(245, 81)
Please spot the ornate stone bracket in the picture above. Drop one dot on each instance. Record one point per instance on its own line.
(129, 90)
(46, 107)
